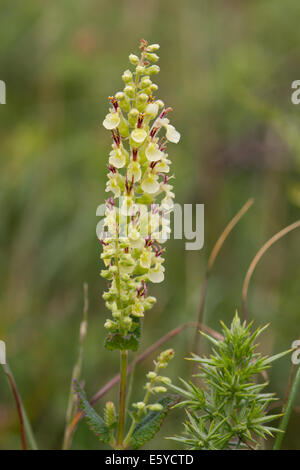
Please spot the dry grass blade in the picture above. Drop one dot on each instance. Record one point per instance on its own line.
(215, 251)
(18, 401)
(76, 371)
(257, 258)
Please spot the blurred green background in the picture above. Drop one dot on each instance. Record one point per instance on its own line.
(226, 69)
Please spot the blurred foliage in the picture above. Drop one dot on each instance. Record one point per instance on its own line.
(226, 69)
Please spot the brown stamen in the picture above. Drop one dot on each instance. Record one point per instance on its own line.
(114, 102)
(140, 120)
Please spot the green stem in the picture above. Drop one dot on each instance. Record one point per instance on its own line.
(139, 413)
(122, 399)
(288, 410)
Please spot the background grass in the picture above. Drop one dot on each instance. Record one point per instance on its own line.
(226, 69)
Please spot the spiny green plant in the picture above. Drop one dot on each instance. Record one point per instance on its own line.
(230, 411)
(131, 236)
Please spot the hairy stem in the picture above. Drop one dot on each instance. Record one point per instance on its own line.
(122, 398)
(140, 412)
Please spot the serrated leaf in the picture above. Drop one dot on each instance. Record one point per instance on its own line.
(95, 422)
(120, 342)
(150, 425)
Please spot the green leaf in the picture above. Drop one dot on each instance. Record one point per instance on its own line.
(150, 425)
(130, 342)
(95, 422)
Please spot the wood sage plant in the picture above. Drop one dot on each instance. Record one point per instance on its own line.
(136, 223)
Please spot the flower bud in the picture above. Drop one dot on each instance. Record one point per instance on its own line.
(109, 296)
(164, 380)
(166, 355)
(151, 375)
(123, 101)
(133, 59)
(153, 69)
(141, 101)
(160, 103)
(149, 302)
(123, 127)
(140, 69)
(106, 274)
(132, 117)
(140, 405)
(152, 57)
(113, 269)
(109, 324)
(129, 90)
(153, 47)
(116, 314)
(159, 389)
(145, 82)
(137, 310)
(155, 407)
(153, 87)
(127, 322)
(127, 76)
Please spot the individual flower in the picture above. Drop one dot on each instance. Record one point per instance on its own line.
(157, 274)
(150, 183)
(172, 134)
(111, 121)
(153, 153)
(138, 136)
(117, 157)
(146, 259)
(134, 171)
